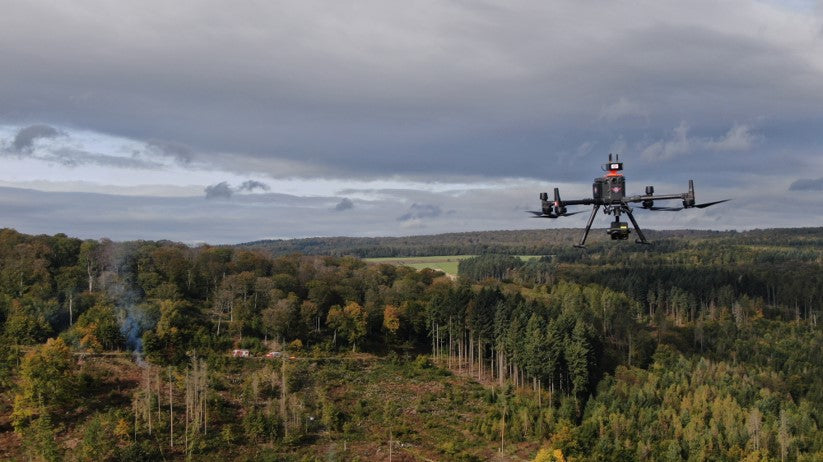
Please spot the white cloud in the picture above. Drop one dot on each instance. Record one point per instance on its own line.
(585, 149)
(678, 144)
(623, 108)
(738, 138)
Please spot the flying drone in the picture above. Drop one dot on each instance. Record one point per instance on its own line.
(609, 191)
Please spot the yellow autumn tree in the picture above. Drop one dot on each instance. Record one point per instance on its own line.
(391, 318)
(46, 383)
(549, 455)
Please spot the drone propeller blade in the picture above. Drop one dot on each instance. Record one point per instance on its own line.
(699, 206)
(707, 204)
(543, 215)
(540, 214)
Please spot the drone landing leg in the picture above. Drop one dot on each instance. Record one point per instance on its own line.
(642, 239)
(582, 244)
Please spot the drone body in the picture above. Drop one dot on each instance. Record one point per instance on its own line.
(609, 192)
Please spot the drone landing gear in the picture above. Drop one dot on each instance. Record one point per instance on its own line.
(618, 230)
(582, 244)
(642, 239)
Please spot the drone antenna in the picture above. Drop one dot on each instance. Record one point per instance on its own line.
(610, 157)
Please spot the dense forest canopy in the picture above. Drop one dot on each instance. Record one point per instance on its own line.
(529, 242)
(705, 346)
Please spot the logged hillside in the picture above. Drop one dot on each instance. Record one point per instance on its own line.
(705, 346)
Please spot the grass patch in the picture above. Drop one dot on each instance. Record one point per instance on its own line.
(445, 263)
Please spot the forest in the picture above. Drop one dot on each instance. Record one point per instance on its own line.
(705, 346)
(521, 242)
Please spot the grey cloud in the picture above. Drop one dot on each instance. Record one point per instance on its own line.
(420, 211)
(225, 191)
(585, 148)
(344, 204)
(251, 185)
(177, 151)
(25, 138)
(76, 158)
(623, 108)
(807, 185)
(219, 190)
(514, 85)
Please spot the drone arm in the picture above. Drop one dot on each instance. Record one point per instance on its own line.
(662, 197)
(686, 197)
(578, 202)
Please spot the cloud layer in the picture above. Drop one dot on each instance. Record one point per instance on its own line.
(314, 99)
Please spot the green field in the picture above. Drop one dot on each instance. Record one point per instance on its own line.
(445, 263)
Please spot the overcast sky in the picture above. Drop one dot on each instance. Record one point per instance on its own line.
(227, 122)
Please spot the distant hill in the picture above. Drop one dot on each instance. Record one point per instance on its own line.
(521, 242)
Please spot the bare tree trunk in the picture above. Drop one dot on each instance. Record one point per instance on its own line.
(205, 411)
(71, 314)
(501, 374)
(437, 341)
(479, 360)
(451, 349)
(91, 275)
(471, 354)
(502, 431)
(460, 350)
(171, 413)
(434, 340)
(148, 394)
(491, 362)
(159, 408)
(187, 399)
(283, 395)
(539, 394)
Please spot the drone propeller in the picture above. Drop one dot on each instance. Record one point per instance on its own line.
(707, 204)
(568, 214)
(699, 206)
(543, 215)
